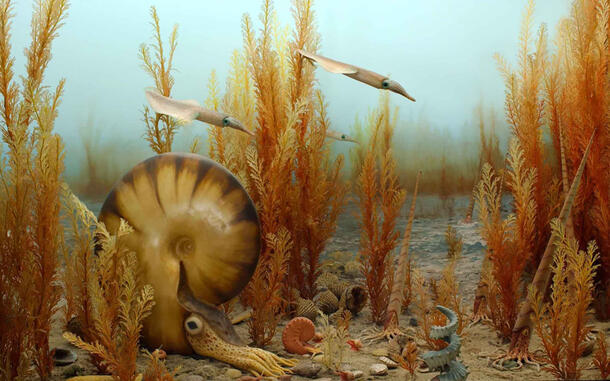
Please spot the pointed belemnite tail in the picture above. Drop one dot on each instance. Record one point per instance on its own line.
(542, 277)
(400, 275)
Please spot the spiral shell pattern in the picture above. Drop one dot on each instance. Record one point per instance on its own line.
(296, 334)
(185, 207)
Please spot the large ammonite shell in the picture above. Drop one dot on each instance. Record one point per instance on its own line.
(185, 207)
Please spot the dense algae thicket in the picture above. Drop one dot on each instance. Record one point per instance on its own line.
(546, 263)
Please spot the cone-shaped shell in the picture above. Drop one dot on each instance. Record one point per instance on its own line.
(337, 288)
(354, 299)
(185, 207)
(326, 302)
(306, 308)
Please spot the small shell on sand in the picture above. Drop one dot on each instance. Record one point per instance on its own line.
(296, 334)
(378, 370)
(327, 302)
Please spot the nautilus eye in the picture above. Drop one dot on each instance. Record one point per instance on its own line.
(385, 83)
(193, 325)
(225, 121)
(343, 136)
(185, 208)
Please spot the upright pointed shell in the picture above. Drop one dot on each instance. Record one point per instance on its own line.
(185, 207)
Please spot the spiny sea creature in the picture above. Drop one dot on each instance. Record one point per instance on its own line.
(188, 110)
(196, 230)
(445, 359)
(296, 334)
(359, 74)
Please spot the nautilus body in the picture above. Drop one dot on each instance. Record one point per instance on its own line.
(187, 212)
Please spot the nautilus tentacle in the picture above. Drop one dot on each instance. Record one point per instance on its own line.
(185, 208)
(296, 334)
(445, 359)
(211, 334)
(359, 74)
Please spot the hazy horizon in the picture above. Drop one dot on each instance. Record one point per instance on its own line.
(440, 51)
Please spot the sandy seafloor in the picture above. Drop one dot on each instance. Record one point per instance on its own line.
(428, 249)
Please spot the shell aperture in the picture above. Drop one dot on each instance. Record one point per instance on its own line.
(185, 208)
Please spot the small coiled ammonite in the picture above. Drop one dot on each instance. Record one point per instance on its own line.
(188, 211)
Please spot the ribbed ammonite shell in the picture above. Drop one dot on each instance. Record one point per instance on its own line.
(185, 207)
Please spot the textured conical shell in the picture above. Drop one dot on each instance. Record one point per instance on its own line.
(306, 308)
(353, 269)
(185, 207)
(326, 302)
(326, 278)
(337, 287)
(353, 298)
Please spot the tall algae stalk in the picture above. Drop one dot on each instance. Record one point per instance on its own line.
(160, 129)
(578, 93)
(30, 232)
(288, 169)
(379, 193)
(562, 324)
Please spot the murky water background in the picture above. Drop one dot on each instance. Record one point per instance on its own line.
(428, 247)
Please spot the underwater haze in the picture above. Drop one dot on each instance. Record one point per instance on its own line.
(440, 51)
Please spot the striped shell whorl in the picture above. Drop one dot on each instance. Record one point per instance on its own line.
(185, 207)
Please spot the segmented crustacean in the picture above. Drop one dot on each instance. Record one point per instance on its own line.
(296, 334)
(445, 359)
(194, 226)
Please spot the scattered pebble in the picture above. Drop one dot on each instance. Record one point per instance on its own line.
(378, 370)
(380, 352)
(190, 377)
(389, 362)
(233, 373)
(73, 371)
(324, 379)
(307, 369)
(358, 374)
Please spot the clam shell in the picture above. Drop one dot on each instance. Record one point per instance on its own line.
(326, 301)
(185, 208)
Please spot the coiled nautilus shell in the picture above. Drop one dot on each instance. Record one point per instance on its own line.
(185, 208)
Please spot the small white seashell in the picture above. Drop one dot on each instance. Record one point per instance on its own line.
(378, 370)
(389, 362)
